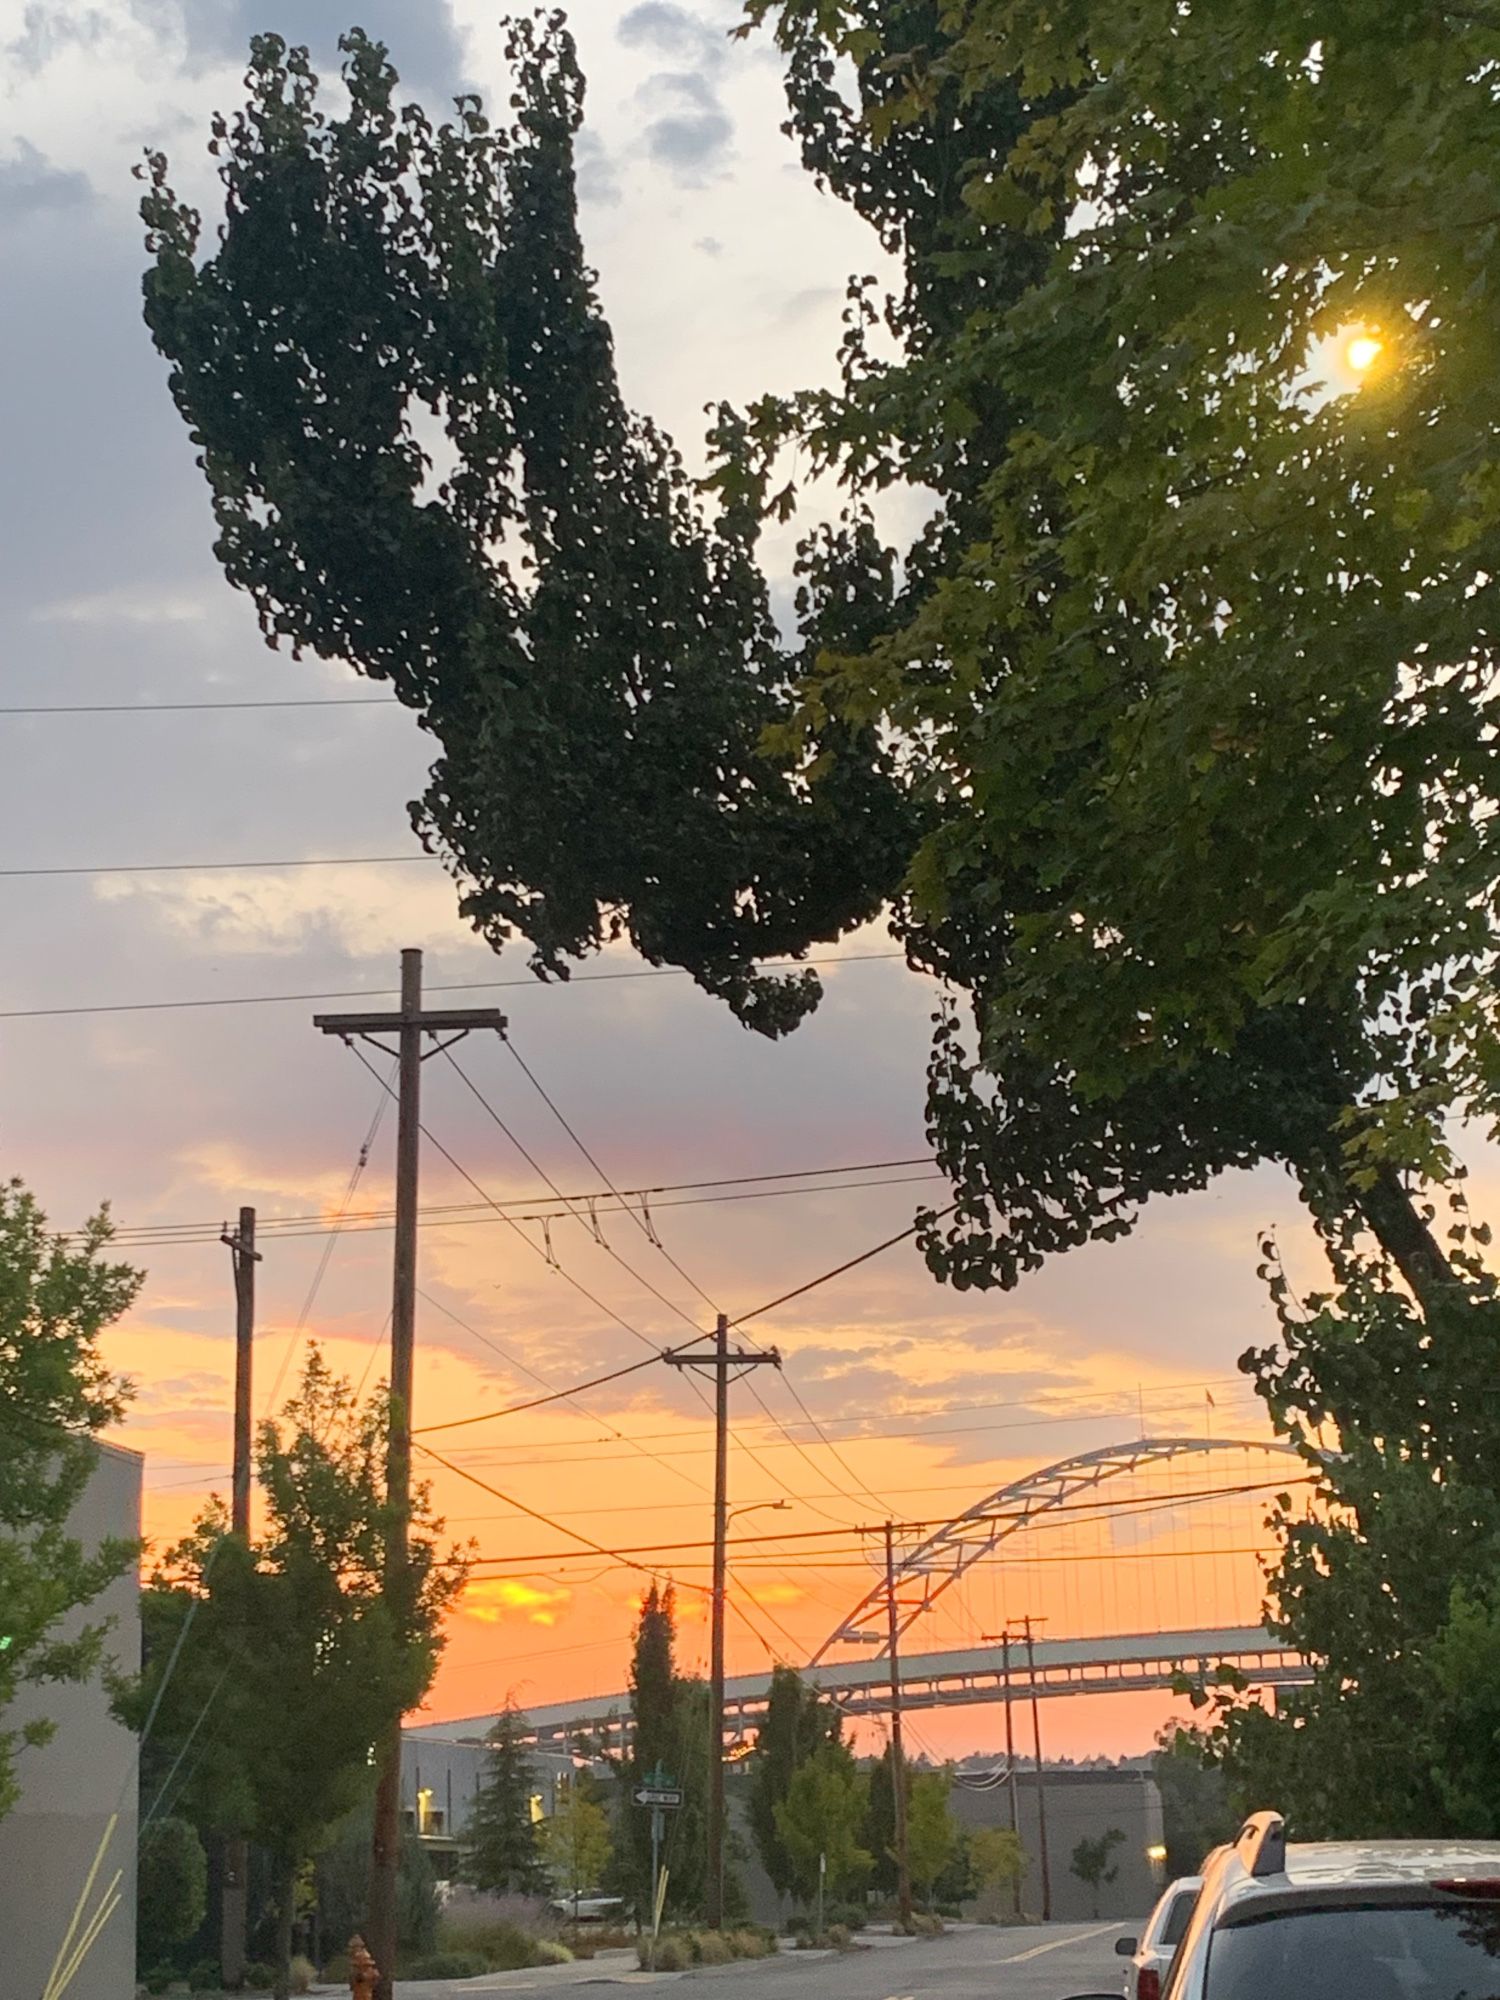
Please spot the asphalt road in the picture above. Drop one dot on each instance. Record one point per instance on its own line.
(1041, 1962)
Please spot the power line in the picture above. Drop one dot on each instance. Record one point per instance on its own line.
(510, 1500)
(384, 992)
(838, 1270)
(597, 1233)
(361, 1161)
(186, 707)
(218, 867)
(1123, 1507)
(639, 1220)
(562, 1271)
(465, 1215)
(536, 1402)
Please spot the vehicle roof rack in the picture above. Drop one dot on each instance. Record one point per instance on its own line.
(1261, 1843)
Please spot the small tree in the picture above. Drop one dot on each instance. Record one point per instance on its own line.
(1091, 1861)
(292, 1647)
(998, 1862)
(171, 1888)
(56, 1394)
(932, 1836)
(501, 1850)
(797, 1721)
(819, 1823)
(576, 1839)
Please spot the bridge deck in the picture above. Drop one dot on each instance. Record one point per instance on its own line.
(1136, 1662)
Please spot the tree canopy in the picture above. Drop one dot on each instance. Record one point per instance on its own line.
(57, 1393)
(1166, 742)
(500, 1849)
(798, 1720)
(285, 1654)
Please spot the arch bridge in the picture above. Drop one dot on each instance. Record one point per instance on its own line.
(1114, 1664)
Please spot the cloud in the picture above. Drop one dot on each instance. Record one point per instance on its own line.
(31, 185)
(667, 30)
(365, 911)
(692, 132)
(46, 31)
(128, 605)
(423, 41)
(688, 129)
(594, 171)
(498, 1600)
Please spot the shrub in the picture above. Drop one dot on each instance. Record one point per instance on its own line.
(447, 1965)
(673, 1952)
(547, 1951)
(260, 1975)
(838, 1936)
(302, 1974)
(336, 1970)
(752, 1944)
(925, 1925)
(710, 1948)
(159, 1979)
(204, 1976)
(501, 1945)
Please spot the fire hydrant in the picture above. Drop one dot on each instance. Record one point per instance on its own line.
(363, 1971)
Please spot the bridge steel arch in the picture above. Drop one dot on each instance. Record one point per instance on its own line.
(947, 1555)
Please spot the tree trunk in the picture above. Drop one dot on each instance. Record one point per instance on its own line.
(1407, 1240)
(286, 1909)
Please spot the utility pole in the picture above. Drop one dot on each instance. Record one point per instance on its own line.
(1041, 1783)
(410, 1025)
(898, 1748)
(720, 1358)
(234, 1887)
(1010, 1763)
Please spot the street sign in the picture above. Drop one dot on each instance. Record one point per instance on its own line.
(666, 1798)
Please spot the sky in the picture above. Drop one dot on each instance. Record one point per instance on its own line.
(722, 270)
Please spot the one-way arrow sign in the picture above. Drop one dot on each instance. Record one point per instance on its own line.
(664, 1796)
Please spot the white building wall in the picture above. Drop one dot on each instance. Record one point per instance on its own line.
(72, 1785)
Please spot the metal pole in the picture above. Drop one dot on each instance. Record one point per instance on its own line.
(656, 1832)
(898, 1750)
(386, 1846)
(1010, 1764)
(715, 1899)
(1041, 1786)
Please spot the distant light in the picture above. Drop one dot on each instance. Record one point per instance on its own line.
(1362, 352)
(1156, 1853)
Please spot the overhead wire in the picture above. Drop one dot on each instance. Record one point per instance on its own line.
(187, 707)
(448, 1214)
(849, 1264)
(651, 1236)
(385, 992)
(220, 867)
(361, 1161)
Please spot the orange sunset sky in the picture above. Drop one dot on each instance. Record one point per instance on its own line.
(723, 272)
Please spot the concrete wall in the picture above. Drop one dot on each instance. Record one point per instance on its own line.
(71, 1786)
(1080, 1805)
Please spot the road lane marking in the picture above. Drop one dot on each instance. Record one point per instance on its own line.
(1056, 1944)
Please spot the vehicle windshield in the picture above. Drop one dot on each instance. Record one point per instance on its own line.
(1175, 1921)
(1448, 1951)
